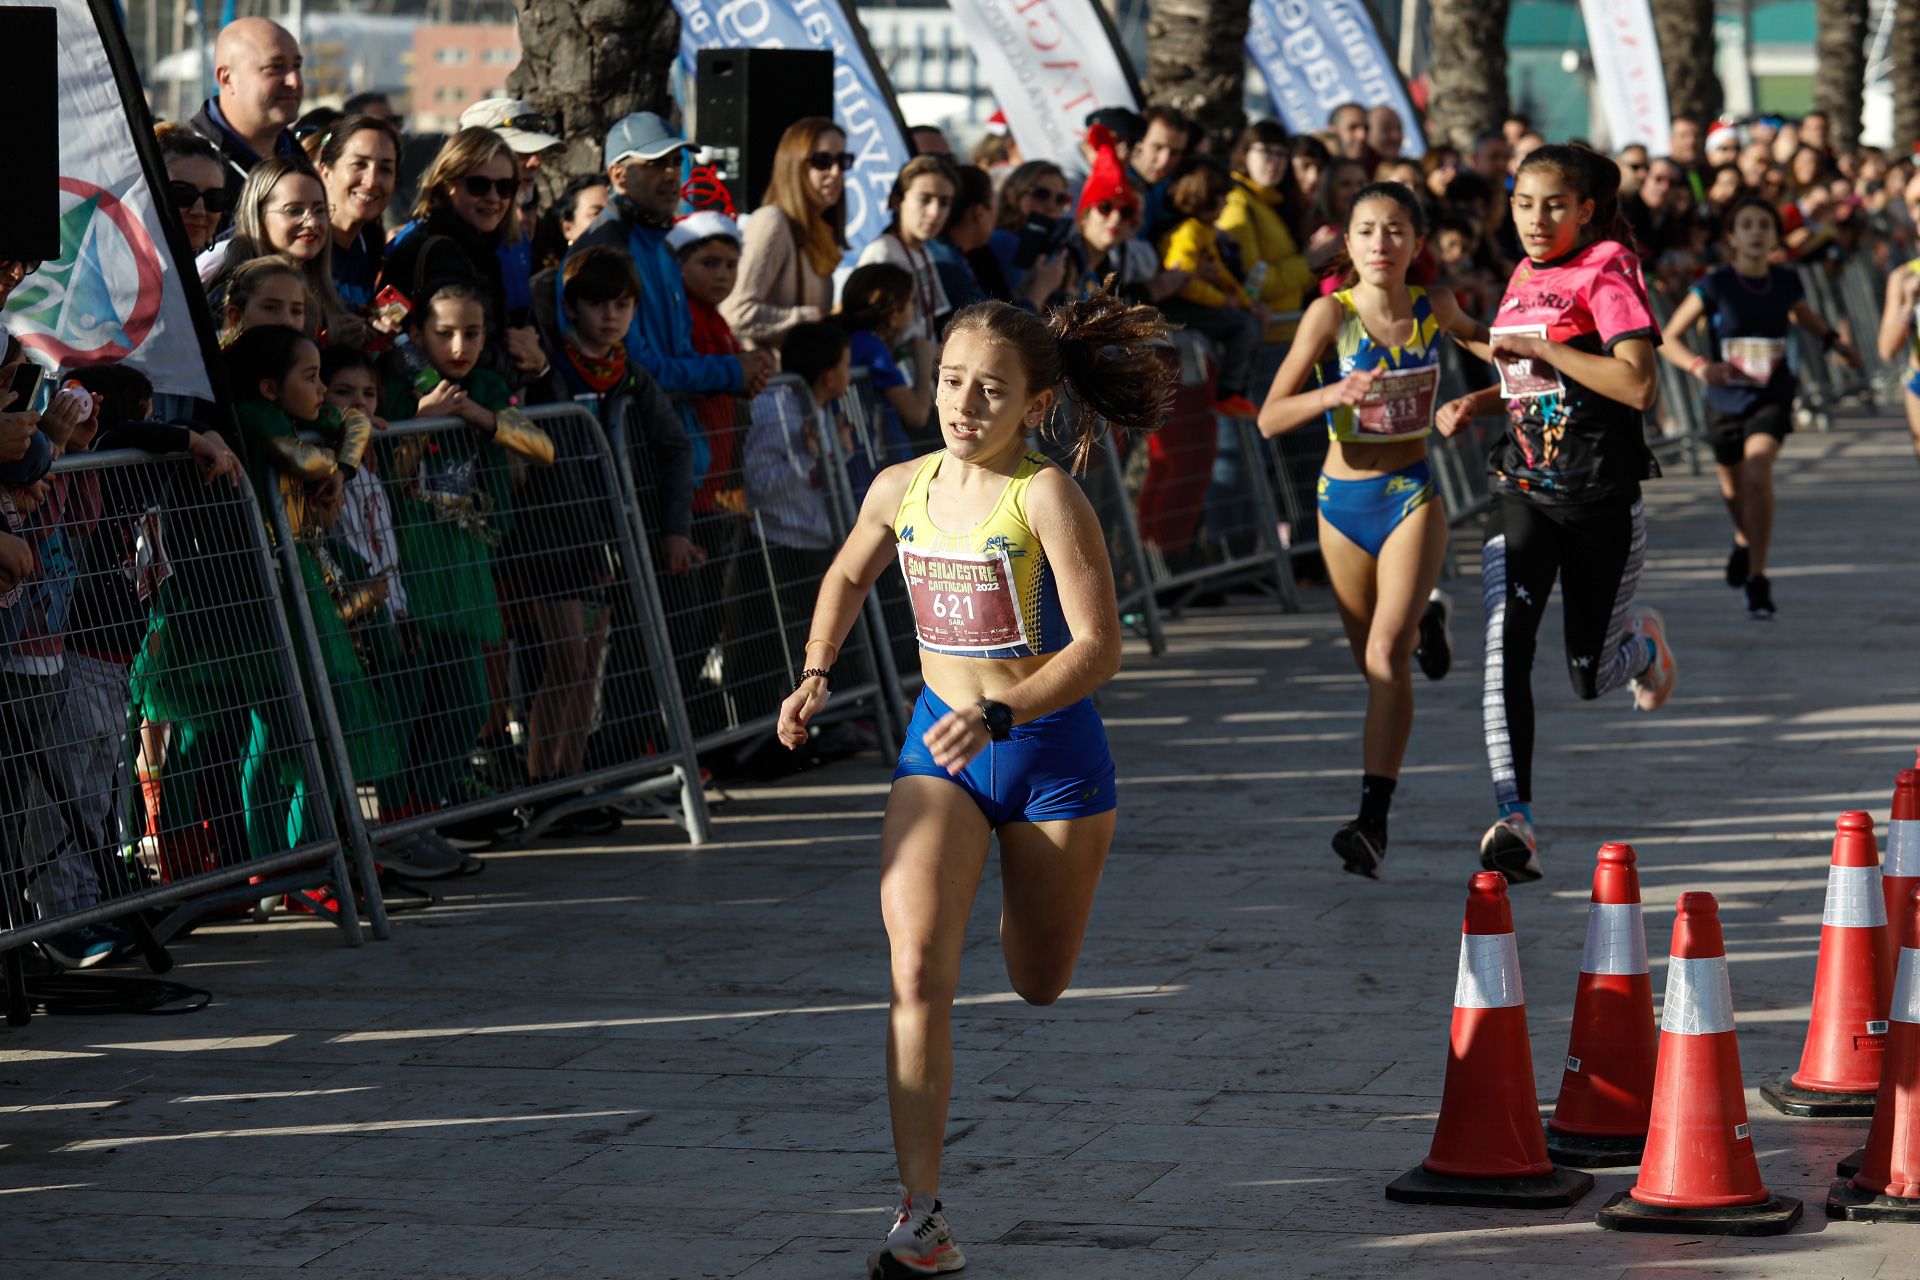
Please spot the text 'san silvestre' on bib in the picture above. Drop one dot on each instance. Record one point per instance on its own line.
(963, 603)
(1400, 402)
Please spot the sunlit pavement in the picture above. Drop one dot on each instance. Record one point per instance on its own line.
(648, 1061)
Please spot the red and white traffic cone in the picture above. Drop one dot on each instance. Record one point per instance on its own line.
(1606, 1093)
(1899, 876)
(1699, 1175)
(1887, 1186)
(1840, 1066)
(1488, 1148)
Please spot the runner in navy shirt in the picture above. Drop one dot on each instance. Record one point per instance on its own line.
(1750, 307)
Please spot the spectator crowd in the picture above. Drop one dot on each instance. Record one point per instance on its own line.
(349, 295)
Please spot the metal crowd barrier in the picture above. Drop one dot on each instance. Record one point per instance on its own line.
(769, 515)
(157, 632)
(512, 654)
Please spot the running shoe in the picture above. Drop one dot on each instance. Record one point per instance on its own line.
(1509, 847)
(1362, 848)
(1760, 598)
(920, 1244)
(1434, 653)
(1737, 566)
(1652, 687)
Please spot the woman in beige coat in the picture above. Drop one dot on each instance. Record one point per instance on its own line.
(794, 240)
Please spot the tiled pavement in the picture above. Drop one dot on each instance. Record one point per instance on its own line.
(649, 1061)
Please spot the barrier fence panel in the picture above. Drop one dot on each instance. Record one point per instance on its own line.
(875, 440)
(496, 646)
(768, 520)
(1202, 497)
(157, 756)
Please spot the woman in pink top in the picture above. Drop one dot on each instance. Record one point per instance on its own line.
(1573, 341)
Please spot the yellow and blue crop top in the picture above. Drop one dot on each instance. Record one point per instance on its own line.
(1357, 350)
(985, 593)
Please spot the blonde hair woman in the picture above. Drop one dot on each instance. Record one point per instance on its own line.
(283, 210)
(795, 238)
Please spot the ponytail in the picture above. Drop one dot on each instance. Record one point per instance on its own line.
(1099, 350)
(1595, 177)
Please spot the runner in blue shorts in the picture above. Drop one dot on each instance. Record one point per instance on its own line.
(1006, 569)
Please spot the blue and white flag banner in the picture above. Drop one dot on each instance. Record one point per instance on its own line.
(862, 96)
(1050, 63)
(1627, 69)
(116, 294)
(1317, 55)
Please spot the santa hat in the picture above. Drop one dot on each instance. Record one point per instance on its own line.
(997, 124)
(1108, 181)
(704, 225)
(1721, 133)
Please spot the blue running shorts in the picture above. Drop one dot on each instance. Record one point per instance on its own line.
(1055, 767)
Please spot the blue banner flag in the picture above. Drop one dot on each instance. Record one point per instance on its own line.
(1320, 54)
(863, 102)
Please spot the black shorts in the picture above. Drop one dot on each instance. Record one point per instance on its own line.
(1727, 434)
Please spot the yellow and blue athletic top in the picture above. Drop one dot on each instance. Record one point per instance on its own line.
(1357, 350)
(987, 592)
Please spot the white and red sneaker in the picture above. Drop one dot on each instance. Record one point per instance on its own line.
(1652, 687)
(920, 1244)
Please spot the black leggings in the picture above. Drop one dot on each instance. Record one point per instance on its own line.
(1596, 551)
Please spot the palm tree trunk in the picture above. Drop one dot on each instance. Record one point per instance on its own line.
(1685, 30)
(1197, 63)
(1840, 51)
(592, 62)
(1903, 48)
(1469, 70)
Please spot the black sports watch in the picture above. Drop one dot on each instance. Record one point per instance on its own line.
(998, 717)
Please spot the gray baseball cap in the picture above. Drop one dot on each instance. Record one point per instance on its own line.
(643, 136)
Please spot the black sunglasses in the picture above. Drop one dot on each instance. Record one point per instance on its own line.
(1057, 199)
(478, 186)
(825, 160)
(184, 195)
(1107, 208)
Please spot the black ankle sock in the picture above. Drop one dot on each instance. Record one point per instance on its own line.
(1376, 797)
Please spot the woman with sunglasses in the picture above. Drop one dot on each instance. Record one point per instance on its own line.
(1036, 189)
(196, 183)
(464, 214)
(357, 159)
(794, 240)
(283, 209)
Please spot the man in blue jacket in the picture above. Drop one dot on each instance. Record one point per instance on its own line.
(643, 164)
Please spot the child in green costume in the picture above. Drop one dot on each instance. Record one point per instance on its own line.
(452, 500)
(277, 395)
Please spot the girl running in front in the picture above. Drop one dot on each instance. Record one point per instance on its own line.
(1748, 305)
(1900, 323)
(1383, 530)
(1013, 598)
(1575, 349)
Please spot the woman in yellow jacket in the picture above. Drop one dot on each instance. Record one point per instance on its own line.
(1212, 301)
(1263, 199)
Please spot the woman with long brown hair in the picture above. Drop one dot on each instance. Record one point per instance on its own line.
(922, 196)
(1012, 598)
(463, 215)
(357, 159)
(794, 240)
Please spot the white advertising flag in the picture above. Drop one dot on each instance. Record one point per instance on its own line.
(1050, 63)
(116, 294)
(1626, 63)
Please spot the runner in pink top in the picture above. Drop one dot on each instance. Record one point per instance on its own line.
(1574, 345)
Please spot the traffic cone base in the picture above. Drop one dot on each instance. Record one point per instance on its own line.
(1848, 1165)
(1789, 1099)
(1856, 1204)
(1594, 1151)
(1775, 1217)
(1559, 1189)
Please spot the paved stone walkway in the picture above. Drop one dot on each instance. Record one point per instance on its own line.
(648, 1061)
